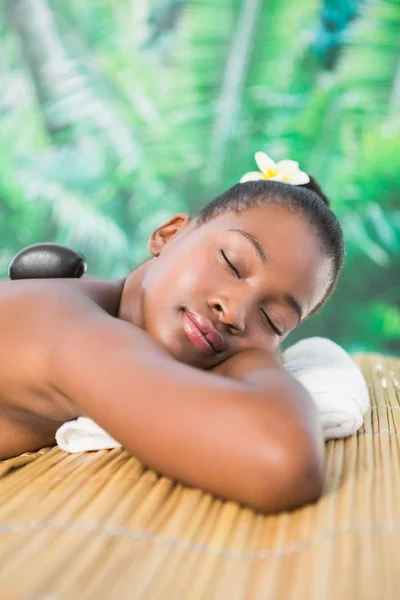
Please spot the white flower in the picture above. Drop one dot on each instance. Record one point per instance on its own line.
(286, 171)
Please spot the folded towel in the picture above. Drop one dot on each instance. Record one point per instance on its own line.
(82, 435)
(326, 370)
(333, 380)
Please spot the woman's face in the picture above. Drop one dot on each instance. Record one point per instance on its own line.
(235, 283)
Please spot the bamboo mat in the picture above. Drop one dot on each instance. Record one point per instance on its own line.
(98, 525)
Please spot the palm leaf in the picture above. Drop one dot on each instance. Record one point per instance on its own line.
(369, 67)
(229, 98)
(77, 224)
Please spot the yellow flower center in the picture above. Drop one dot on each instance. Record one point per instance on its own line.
(269, 173)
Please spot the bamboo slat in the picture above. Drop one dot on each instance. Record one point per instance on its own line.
(99, 525)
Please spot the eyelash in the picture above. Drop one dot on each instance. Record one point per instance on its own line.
(234, 269)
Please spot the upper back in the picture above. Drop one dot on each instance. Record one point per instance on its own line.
(29, 314)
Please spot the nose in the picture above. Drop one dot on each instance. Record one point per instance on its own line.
(231, 313)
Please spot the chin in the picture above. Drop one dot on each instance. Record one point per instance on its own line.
(187, 355)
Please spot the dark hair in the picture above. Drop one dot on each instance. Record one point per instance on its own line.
(308, 200)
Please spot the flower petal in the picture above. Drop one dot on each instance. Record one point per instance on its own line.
(251, 176)
(287, 166)
(278, 177)
(264, 162)
(299, 178)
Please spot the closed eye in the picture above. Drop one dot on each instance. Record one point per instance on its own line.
(234, 269)
(271, 324)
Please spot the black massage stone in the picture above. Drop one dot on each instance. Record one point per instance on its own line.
(46, 260)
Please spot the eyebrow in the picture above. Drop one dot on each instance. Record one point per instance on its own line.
(254, 241)
(288, 298)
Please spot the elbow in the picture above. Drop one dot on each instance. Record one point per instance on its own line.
(310, 482)
(292, 482)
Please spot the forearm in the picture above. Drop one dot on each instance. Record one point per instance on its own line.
(253, 368)
(241, 365)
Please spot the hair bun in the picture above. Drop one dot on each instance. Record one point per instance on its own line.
(314, 186)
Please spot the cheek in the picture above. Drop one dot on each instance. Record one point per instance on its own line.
(190, 276)
(196, 276)
(180, 283)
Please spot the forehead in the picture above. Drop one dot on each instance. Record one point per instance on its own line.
(295, 259)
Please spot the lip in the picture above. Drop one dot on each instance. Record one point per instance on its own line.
(202, 333)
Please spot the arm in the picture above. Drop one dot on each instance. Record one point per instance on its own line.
(254, 367)
(241, 365)
(201, 429)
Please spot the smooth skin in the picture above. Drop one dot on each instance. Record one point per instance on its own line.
(233, 423)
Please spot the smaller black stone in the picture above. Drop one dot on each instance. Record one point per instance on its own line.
(47, 260)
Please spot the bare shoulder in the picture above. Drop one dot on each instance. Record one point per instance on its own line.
(34, 316)
(29, 307)
(104, 293)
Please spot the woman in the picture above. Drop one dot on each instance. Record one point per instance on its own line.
(179, 361)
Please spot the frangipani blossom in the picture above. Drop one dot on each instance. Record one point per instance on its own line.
(286, 171)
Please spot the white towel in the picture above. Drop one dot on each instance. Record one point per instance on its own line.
(333, 380)
(324, 368)
(82, 435)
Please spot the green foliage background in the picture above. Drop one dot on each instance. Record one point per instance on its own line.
(115, 115)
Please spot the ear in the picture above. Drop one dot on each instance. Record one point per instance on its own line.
(162, 235)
